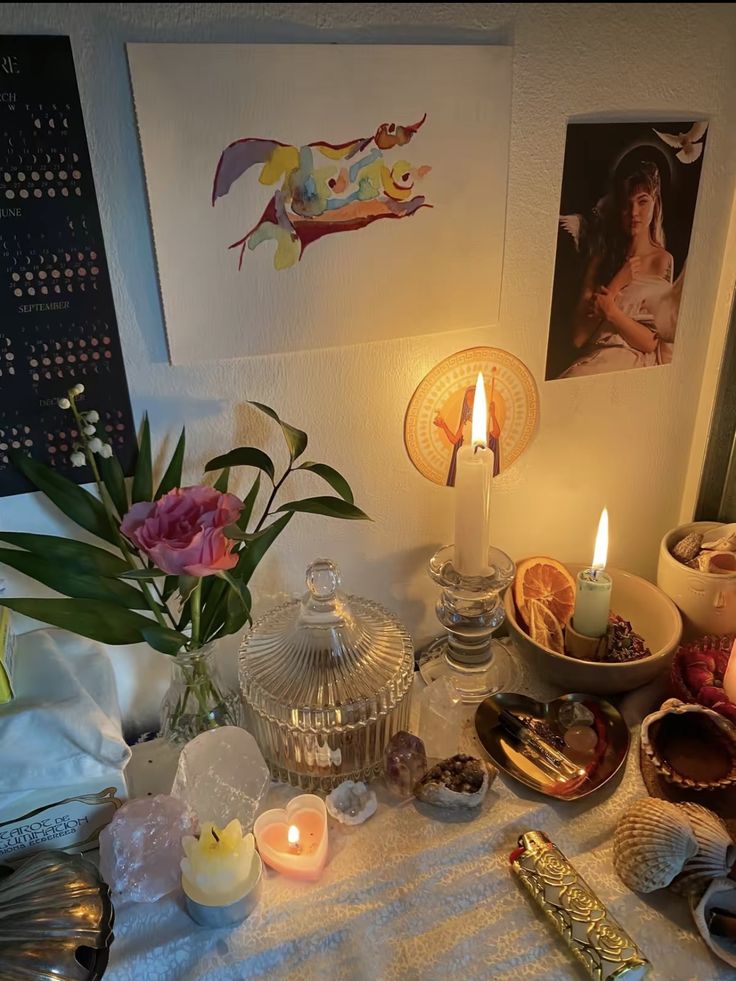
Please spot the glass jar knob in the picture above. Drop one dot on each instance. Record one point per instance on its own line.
(323, 579)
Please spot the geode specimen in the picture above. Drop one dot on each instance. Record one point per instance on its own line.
(458, 782)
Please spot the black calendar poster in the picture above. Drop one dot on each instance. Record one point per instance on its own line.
(57, 319)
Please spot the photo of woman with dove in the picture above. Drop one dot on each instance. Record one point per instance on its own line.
(617, 291)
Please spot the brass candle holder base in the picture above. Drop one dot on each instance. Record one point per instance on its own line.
(583, 647)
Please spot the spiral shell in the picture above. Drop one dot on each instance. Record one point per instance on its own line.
(716, 853)
(652, 843)
(688, 548)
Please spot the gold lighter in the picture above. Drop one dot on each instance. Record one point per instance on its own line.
(596, 939)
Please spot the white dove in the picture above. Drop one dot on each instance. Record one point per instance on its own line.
(686, 143)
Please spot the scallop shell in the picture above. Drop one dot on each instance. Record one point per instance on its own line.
(721, 728)
(716, 851)
(57, 907)
(651, 844)
(720, 895)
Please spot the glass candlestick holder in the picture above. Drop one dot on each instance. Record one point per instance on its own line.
(471, 610)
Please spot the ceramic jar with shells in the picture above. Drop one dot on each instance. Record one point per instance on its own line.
(673, 739)
(658, 844)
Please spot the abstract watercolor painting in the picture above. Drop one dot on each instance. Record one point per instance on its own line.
(257, 156)
(324, 187)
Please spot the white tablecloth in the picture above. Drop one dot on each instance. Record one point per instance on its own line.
(414, 894)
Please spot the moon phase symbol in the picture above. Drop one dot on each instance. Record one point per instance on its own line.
(37, 123)
(65, 123)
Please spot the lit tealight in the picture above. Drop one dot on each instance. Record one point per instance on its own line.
(293, 839)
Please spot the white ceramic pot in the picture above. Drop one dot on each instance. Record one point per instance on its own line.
(707, 600)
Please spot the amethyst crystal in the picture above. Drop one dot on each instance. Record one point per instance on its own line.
(405, 760)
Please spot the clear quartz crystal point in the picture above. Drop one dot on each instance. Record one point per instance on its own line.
(325, 681)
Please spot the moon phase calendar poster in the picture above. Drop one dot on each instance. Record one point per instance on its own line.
(305, 196)
(57, 320)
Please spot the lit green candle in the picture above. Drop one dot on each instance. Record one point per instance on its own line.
(593, 592)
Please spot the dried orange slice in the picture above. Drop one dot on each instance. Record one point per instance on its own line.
(548, 581)
(544, 628)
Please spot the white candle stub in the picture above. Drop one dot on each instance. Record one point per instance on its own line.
(473, 476)
(593, 588)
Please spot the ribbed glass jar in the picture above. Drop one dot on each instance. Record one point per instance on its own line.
(325, 682)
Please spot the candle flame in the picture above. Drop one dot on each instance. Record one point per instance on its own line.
(600, 553)
(293, 835)
(480, 413)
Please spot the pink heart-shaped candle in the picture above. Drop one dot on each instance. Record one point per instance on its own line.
(293, 840)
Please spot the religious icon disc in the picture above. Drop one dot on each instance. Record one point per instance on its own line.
(437, 420)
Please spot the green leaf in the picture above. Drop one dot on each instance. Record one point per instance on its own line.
(172, 477)
(333, 507)
(187, 585)
(334, 479)
(295, 438)
(171, 584)
(238, 612)
(163, 639)
(143, 476)
(147, 575)
(252, 553)
(68, 552)
(72, 500)
(214, 593)
(243, 456)
(249, 504)
(114, 480)
(240, 589)
(70, 582)
(221, 484)
(99, 620)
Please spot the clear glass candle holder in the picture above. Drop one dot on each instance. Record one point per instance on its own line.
(470, 608)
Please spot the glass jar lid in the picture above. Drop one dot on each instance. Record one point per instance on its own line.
(329, 653)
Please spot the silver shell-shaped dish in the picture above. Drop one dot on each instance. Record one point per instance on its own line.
(56, 919)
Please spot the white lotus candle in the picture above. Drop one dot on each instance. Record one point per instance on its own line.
(593, 593)
(221, 866)
(473, 492)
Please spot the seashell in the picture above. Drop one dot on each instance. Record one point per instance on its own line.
(458, 782)
(718, 562)
(673, 739)
(351, 803)
(651, 844)
(688, 547)
(725, 542)
(56, 911)
(716, 853)
(720, 895)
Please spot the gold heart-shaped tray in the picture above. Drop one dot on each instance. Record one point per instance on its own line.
(525, 764)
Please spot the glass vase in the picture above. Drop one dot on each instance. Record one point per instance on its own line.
(197, 698)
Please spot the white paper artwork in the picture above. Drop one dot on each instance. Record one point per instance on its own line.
(270, 167)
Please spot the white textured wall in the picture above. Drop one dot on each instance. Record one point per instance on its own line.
(622, 440)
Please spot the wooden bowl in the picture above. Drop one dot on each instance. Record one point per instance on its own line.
(651, 614)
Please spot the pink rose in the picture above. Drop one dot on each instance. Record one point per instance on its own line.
(182, 533)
